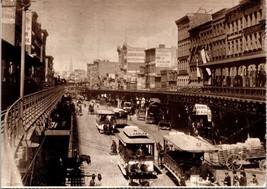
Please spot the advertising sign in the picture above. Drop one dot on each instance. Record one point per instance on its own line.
(163, 58)
(202, 109)
(8, 11)
(28, 29)
(135, 55)
(8, 20)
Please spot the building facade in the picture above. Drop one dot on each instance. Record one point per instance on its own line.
(185, 73)
(238, 55)
(130, 60)
(49, 71)
(35, 43)
(169, 80)
(103, 74)
(93, 75)
(156, 60)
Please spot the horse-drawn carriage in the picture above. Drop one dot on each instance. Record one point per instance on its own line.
(234, 156)
(183, 157)
(105, 121)
(136, 150)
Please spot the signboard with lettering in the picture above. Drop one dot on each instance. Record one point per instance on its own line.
(8, 20)
(163, 57)
(202, 109)
(28, 28)
(8, 12)
(135, 55)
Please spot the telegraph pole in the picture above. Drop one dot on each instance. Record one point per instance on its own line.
(25, 4)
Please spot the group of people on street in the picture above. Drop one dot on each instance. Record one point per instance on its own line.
(94, 181)
(239, 180)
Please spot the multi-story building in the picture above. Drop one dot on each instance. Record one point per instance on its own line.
(103, 73)
(168, 80)
(35, 41)
(238, 59)
(156, 60)
(130, 60)
(93, 75)
(184, 24)
(141, 78)
(49, 71)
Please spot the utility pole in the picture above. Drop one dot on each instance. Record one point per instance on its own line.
(25, 5)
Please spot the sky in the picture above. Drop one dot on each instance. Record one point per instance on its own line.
(81, 31)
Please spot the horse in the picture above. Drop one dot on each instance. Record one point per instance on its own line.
(85, 158)
(160, 153)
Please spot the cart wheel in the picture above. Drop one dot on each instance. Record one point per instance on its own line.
(233, 162)
(262, 165)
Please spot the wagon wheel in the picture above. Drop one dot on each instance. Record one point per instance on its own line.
(262, 165)
(233, 162)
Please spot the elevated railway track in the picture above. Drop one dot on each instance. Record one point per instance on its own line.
(17, 140)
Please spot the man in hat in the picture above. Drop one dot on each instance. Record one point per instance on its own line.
(227, 180)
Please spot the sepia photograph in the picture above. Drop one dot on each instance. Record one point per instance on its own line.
(133, 93)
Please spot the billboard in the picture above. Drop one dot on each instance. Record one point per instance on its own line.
(163, 57)
(135, 55)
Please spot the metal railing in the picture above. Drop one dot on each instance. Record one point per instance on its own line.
(173, 166)
(238, 92)
(12, 134)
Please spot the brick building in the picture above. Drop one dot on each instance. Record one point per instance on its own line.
(185, 74)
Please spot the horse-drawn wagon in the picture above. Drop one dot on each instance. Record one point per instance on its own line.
(234, 156)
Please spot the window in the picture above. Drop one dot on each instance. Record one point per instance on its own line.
(259, 40)
(241, 45)
(250, 42)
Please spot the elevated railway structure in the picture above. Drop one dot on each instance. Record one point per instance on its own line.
(20, 144)
(249, 100)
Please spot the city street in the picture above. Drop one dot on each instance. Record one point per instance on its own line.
(97, 145)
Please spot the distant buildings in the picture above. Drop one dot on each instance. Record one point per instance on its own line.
(103, 74)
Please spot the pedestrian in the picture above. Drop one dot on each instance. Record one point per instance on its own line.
(243, 179)
(113, 149)
(235, 179)
(227, 180)
(254, 180)
(205, 170)
(98, 181)
(92, 181)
